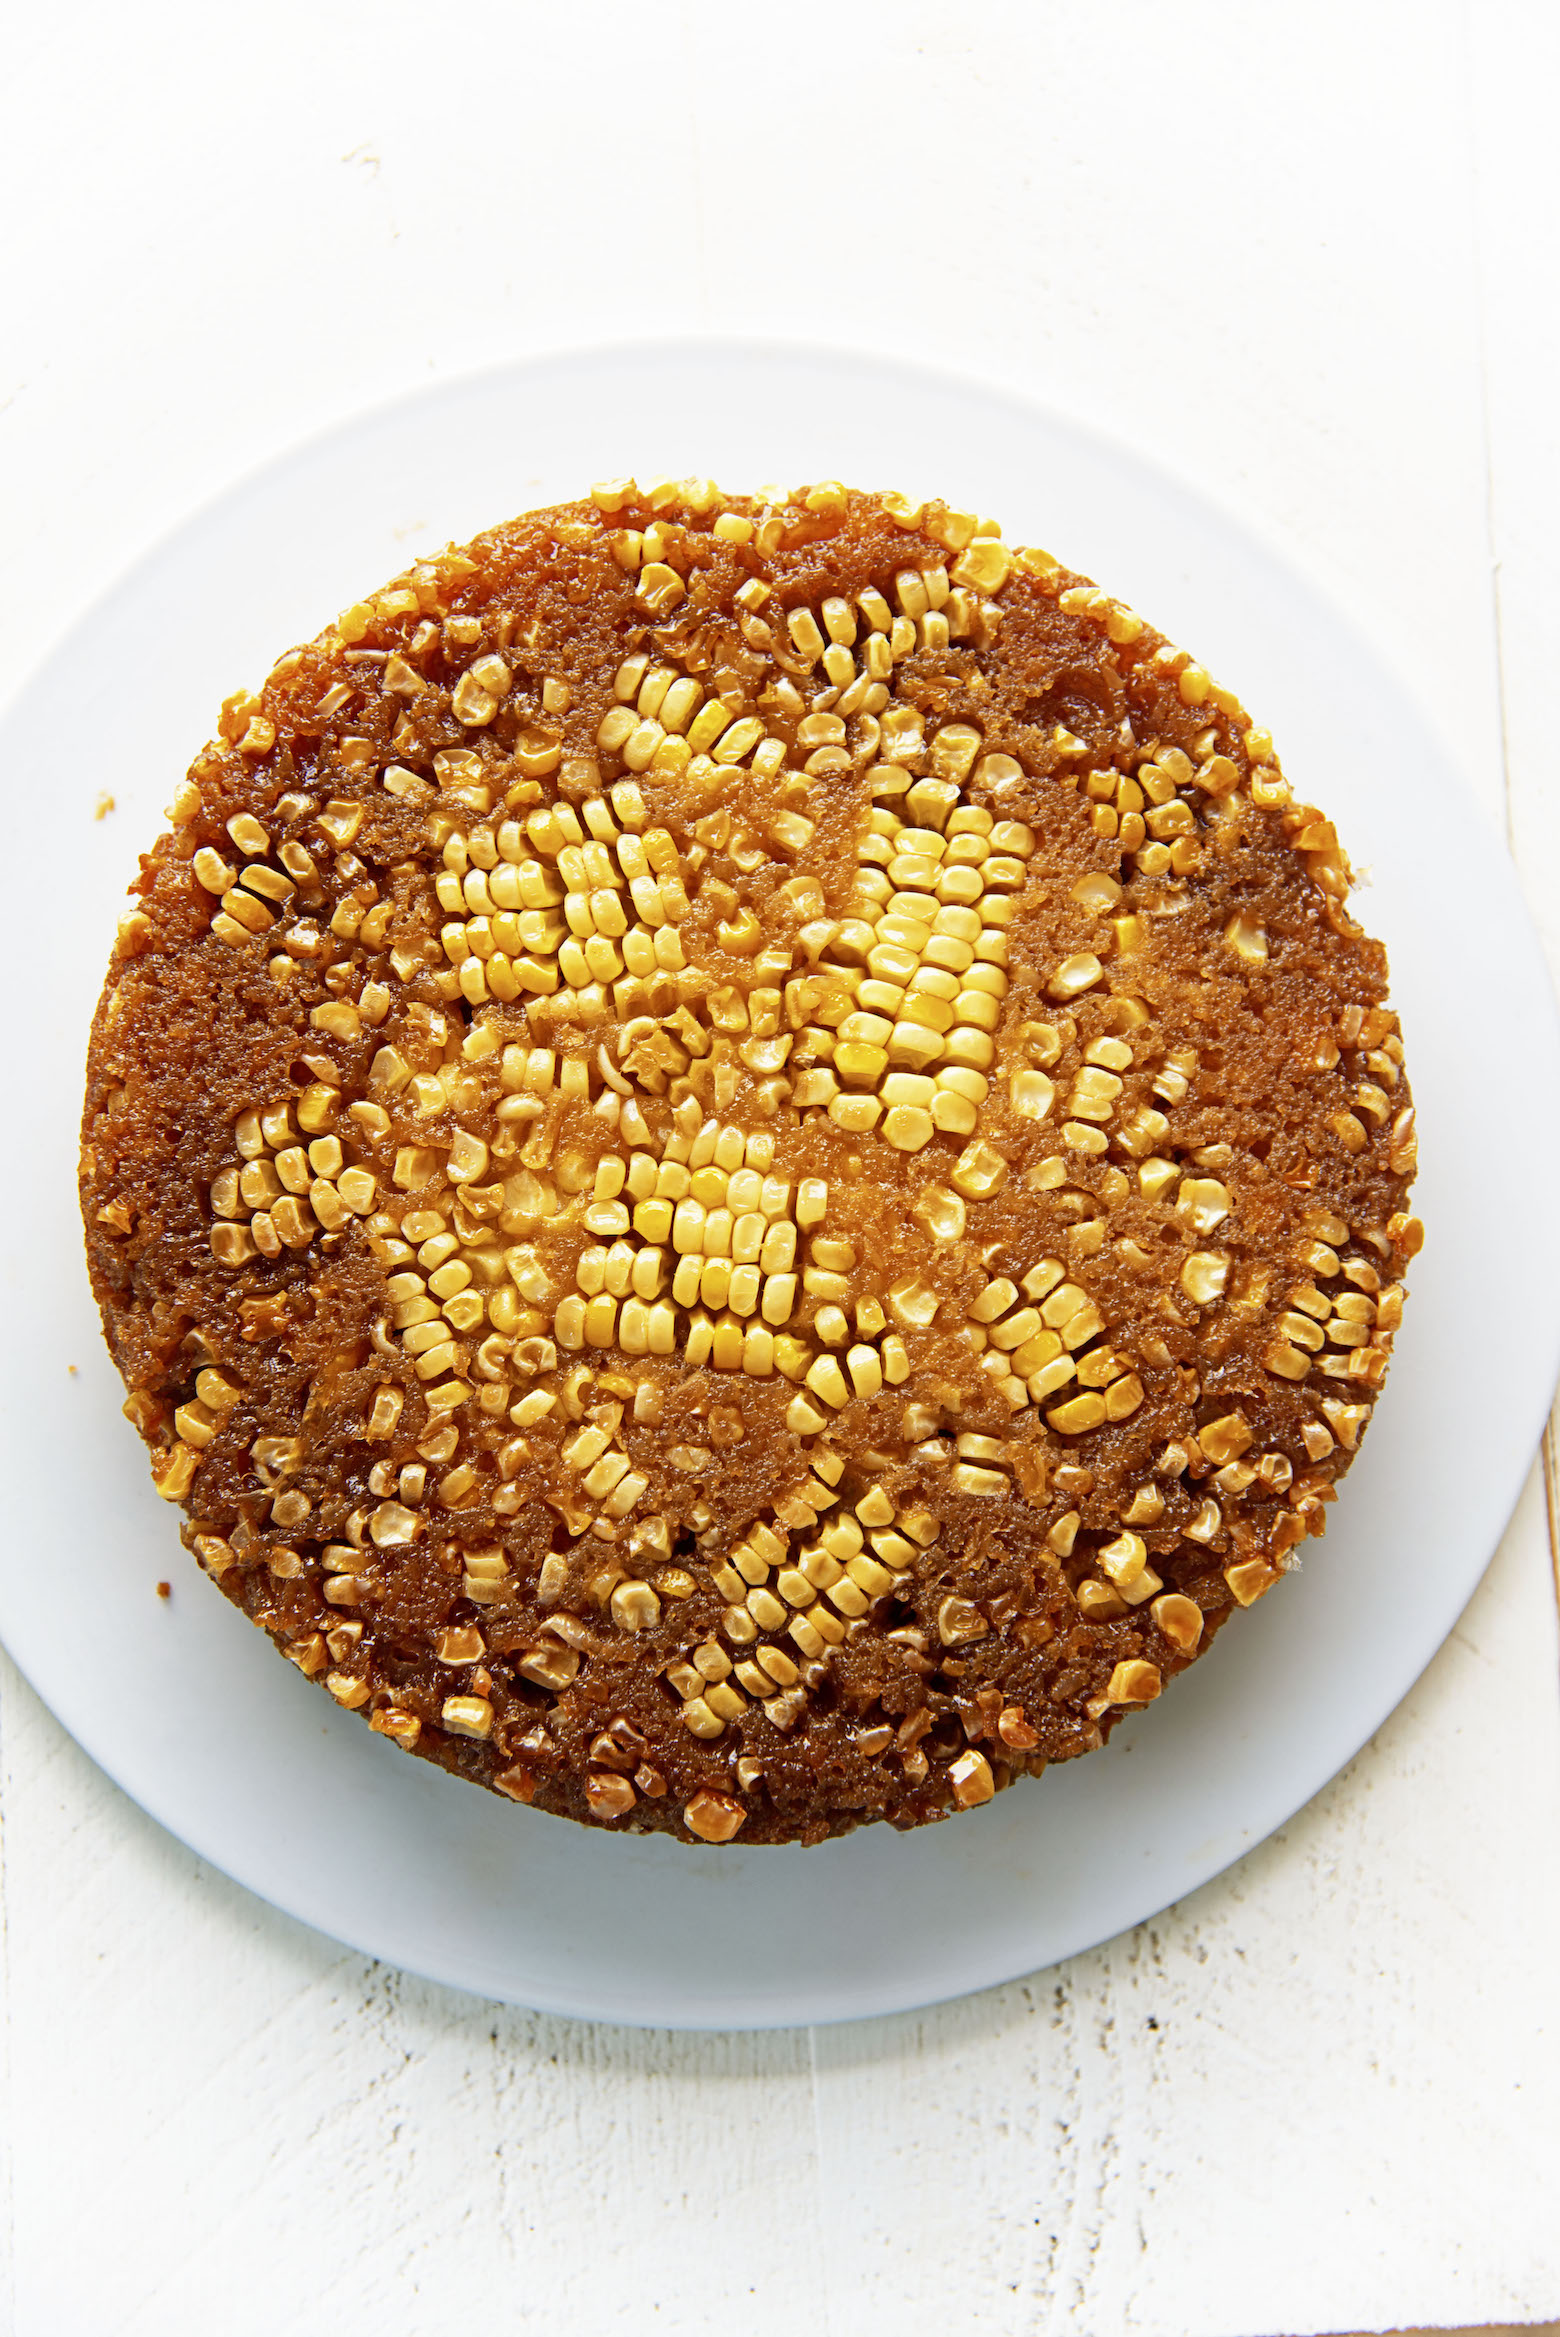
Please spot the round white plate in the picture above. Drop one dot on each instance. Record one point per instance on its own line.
(254, 1768)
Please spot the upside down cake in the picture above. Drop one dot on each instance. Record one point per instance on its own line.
(743, 1162)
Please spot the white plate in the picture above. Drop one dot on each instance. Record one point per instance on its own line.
(255, 1769)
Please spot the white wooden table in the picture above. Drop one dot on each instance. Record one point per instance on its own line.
(1309, 259)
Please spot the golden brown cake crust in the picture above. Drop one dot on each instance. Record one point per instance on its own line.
(742, 1161)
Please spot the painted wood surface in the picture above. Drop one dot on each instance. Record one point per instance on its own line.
(1308, 259)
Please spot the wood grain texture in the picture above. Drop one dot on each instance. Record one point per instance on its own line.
(1295, 255)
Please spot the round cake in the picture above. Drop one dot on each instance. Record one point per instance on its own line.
(743, 1162)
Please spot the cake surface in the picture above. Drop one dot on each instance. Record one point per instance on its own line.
(743, 1162)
